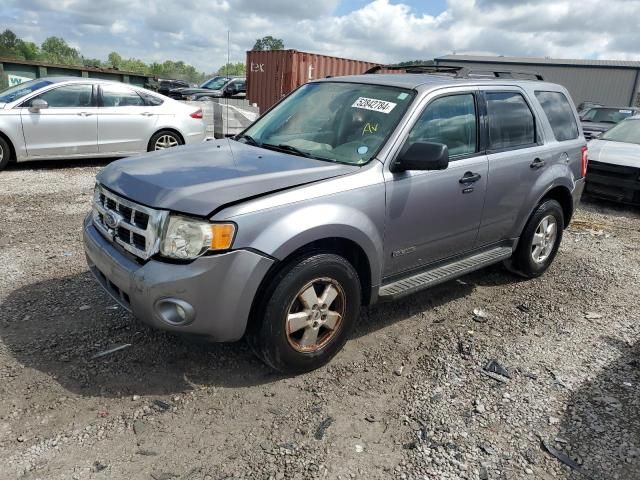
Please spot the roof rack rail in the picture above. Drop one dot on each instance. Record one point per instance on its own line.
(416, 68)
(460, 72)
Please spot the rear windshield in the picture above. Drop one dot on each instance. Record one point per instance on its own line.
(16, 92)
(607, 115)
(560, 115)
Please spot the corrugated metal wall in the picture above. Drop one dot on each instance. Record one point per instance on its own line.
(608, 86)
(17, 71)
(272, 74)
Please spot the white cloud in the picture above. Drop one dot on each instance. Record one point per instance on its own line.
(196, 30)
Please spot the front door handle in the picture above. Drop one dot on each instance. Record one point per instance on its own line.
(537, 163)
(146, 114)
(470, 177)
(84, 114)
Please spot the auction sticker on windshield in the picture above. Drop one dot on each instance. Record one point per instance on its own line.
(374, 105)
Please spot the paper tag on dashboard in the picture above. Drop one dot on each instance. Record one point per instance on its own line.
(381, 106)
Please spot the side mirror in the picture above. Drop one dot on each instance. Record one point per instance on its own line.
(37, 105)
(422, 156)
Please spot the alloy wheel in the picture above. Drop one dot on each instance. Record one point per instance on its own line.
(166, 141)
(315, 315)
(544, 239)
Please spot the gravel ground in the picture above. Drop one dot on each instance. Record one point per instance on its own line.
(409, 397)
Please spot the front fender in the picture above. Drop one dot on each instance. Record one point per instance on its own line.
(317, 222)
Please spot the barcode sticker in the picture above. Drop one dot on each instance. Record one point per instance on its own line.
(374, 105)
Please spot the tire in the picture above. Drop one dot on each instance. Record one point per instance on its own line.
(164, 139)
(545, 228)
(287, 321)
(5, 153)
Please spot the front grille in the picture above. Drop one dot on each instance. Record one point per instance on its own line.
(134, 227)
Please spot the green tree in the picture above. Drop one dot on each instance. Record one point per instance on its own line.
(56, 50)
(114, 60)
(8, 43)
(268, 43)
(28, 50)
(232, 69)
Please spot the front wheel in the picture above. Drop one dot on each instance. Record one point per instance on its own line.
(306, 317)
(540, 240)
(5, 153)
(163, 140)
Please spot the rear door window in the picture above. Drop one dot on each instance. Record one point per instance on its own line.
(560, 115)
(510, 121)
(120, 96)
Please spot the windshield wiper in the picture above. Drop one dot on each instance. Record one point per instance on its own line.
(249, 139)
(288, 148)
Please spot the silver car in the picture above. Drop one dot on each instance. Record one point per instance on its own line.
(62, 117)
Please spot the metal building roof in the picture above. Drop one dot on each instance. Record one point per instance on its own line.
(565, 62)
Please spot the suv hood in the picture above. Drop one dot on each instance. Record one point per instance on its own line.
(616, 153)
(201, 179)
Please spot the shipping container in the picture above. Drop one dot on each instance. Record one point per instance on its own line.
(272, 74)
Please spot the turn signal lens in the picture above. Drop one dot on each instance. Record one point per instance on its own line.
(222, 235)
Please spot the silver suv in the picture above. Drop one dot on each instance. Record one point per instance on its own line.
(348, 192)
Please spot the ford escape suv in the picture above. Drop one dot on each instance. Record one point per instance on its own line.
(348, 192)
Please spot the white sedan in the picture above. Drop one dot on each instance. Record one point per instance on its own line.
(63, 117)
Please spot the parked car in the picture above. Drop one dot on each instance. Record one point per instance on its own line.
(165, 86)
(214, 88)
(585, 106)
(60, 117)
(597, 120)
(614, 167)
(350, 191)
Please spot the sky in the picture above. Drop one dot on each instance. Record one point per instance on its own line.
(384, 31)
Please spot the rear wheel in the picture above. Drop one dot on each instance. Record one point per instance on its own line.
(163, 140)
(540, 240)
(306, 317)
(5, 153)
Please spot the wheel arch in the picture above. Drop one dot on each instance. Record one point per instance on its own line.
(13, 155)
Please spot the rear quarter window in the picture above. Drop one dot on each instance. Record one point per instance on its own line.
(560, 114)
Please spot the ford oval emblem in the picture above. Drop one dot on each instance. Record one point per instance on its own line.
(110, 220)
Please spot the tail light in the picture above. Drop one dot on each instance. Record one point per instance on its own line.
(197, 114)
(585, 161)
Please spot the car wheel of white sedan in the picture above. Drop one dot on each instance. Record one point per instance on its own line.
(5, 153)
(164, 140)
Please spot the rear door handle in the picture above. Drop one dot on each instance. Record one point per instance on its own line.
(146, 114)
(470, 177)
(537, 163)
(84, 114)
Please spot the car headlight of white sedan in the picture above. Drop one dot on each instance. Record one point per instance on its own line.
(188, 238)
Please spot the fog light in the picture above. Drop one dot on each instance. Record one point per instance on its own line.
(175, 312)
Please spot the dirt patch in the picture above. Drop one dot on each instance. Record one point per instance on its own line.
(407, 398)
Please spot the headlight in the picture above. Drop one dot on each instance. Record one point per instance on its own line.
(191, 98)
(188, 238)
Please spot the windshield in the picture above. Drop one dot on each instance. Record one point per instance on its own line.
(215, 83)
(627, 131)
(339, 122)
(606, 115)
(16, 92)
